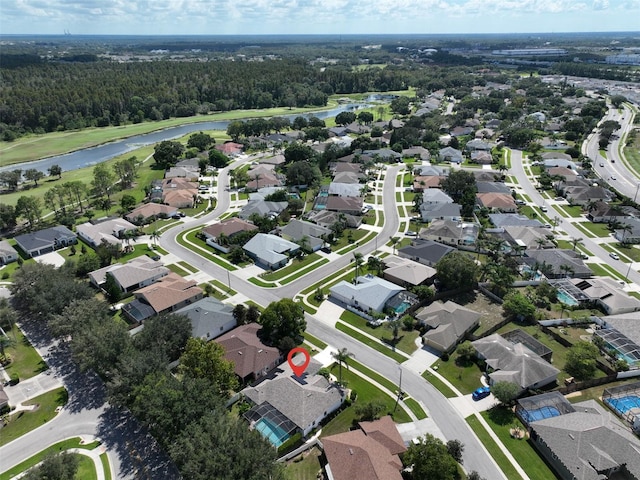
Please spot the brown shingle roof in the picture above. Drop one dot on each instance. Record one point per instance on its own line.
(229, 227)
(248, 354)
(169, 291)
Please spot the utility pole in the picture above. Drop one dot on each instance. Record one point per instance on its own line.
(399, 390)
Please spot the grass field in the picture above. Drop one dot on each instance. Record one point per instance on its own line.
(305, 466)
(26, 362)
(86, 468)
(406, 340)
(439, 384)
(500, 458)
(464, 376)
(370, 342)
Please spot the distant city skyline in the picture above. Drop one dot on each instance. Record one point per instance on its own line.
(259, 17)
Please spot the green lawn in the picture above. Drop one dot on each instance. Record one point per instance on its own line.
(26, 361)
(349, 236)
(56, 448)
(574, 211)
(464, 376)
(415, 407)
(25, 421)
(106, 466)
(305, 466)
(187, 267)
(296, 264)
(501, 420)
(204, 250)
(319, 344)
(371, 343)
(596, 229)
(175, 268)
(304, 271)
(495, 452)
(406, 340)
(603, 270)
(86, 468)
(439, 384)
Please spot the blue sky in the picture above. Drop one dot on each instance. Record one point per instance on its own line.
(218, 17)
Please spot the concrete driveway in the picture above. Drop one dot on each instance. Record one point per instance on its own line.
(52, 258)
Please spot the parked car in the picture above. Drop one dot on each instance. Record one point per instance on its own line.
(544, 208)
(601, 164)
(411, 233)
(520, 202)
(480, 393)
(614, 256)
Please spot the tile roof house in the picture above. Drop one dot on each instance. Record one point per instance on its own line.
(448, 323)
(369, 293)
(342, 167)
(514, 363)
(501, 220)
(500, 202)
(347, 177)
(296, 230)
(421, 182)
(493, 187)
(8, 254)
(584, 195)
(325, 218)
(426, 252)
(168, 294)
(187, 172)
(305, 401)
(405, 272)
(209, 318)
(528, 237)
(587, 444)
(369, 452)
(230, 148)
(136, 273)
(477, 144)
(450, 154)
(45, 241)
(420, 153)
(270, 250)
(430, 171)
(264, 180)
(555, 259)
(440, 211)
(481, 157)
(229, 228)
(453, 233)
(148, 212)
(607, 294)
(111, 231)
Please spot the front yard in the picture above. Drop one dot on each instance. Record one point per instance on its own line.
(26, 362)
(406, 341)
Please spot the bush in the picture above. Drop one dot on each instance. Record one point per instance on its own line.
(15, 379)
(5, 275)
(353, 395)
(293, 442)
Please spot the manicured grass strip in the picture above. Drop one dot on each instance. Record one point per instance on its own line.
(201, 250)
(25, 421)
(26, 362)
(370, 342)
(260, 283)
(188, 267)
(175, 268)
(595, 229)
(86, 468)
(316, 342)
(600, 269)
(304, 271)
(296, 264)
(55, 448)
(309, 309)
(385, 382)
(406, 341)
(415, 407)
(442, 387)
(106, 466)
(488, 442)
(501, 420)
(161, 250)
(225, 288)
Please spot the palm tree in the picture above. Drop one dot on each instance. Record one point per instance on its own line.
(394, 242)
(626, 228)
(375, 263)
(305, 246)
(614, 224)
(541, 242)
(394, 325)
(155, 236)
(5, 342)
(358, 259)
(342, 356)
(575, 242)
(566, 269)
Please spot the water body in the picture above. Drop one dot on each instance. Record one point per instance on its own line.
(91, 156)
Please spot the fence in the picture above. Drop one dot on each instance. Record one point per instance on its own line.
(299, 450)
(574, 387)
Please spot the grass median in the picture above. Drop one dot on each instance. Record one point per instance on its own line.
(370, 342)
(492, 447)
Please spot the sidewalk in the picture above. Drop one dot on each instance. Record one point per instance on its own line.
(32, 387)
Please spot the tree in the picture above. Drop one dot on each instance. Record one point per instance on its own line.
(303, 173)
(167, 152)
(575, 241)
(342, 357)
(430, 459)
(55, 171)
(155, 236)
(517, 305)
(298, 152)
(375, 263)
(112, 289)
(201, 141)
(466, 352)
(61, 466)
(365, 117)
(394, 241)
(204, 359)
(11, 179)
(218, 159)
(358, 260)
(127, 202)
(581, 360)
(369, 411)
(282, 320)
(505, 392)
(5, 342)
(253, 314)
(7, 216)
(457, 270)
(455, 449)
(345, 118)
(103, 181)
(166, 333)
(29, 208)
(33, 175)
(126, 170)
(240, 314)
(394, 324)
(461, 186)
(236, 254)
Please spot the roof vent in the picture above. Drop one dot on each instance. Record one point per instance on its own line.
(351, 451)
(239, 353)
(571, 436)
(260, 351)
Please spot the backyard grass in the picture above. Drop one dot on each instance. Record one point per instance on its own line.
(305, 466)
(501, 420)
(26, 361)
(53, 449)
(493, 449)
(406, 340)
(370, 342)
(25, 421)
(439, 384)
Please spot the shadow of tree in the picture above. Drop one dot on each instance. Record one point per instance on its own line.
(502, 416)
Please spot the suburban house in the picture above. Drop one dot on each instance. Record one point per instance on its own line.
(561, 263)
(262, 208)
(8, 254)
(345, 189)
(190, 173)
(453, 233)
(440, 211)
(209, 318)
(632, 235)
(419, 153)
(270, 251)
(450, 154)
(478, 145)
(111, 231)
(430, 171)
(149, 212)
(584, 195)
(514, 363)
(424, 182)
(371, 294)
(297, 230)
(230, 149)
(434, 196)
(426, 252)
(620, 332)
(136, 273)
(168, 294)
(501, 220)
(407, 273)
(606, 293)
(493, 187)
(350, 205)
(179, 192)
(347, 177)
(300, 404)
(261, 180)
(251, 358)
(602, 212)
(527, 237)
(45, 241)
(227, 228)
(480, 157)
(370, 452)
(497, 202)
(582, 441)
(325, 218)
(448, 323)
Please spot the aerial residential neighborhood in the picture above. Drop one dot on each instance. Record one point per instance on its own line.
(436, 277)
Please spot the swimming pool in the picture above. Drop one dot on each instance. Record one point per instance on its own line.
(400, 309)
(272, 432)
(540, 414)
(624, 404)
(567, 299)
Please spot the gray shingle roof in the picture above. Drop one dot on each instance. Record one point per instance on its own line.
(43, 238)
(270, 248)
(208, 315)
(426, 251)
(369, 292)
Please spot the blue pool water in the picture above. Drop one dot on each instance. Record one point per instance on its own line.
(402, 307)
(567, 299)
(276, 435)
(624, 404)
(540, 414)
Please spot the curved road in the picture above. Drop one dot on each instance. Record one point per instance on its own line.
(440, 409)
